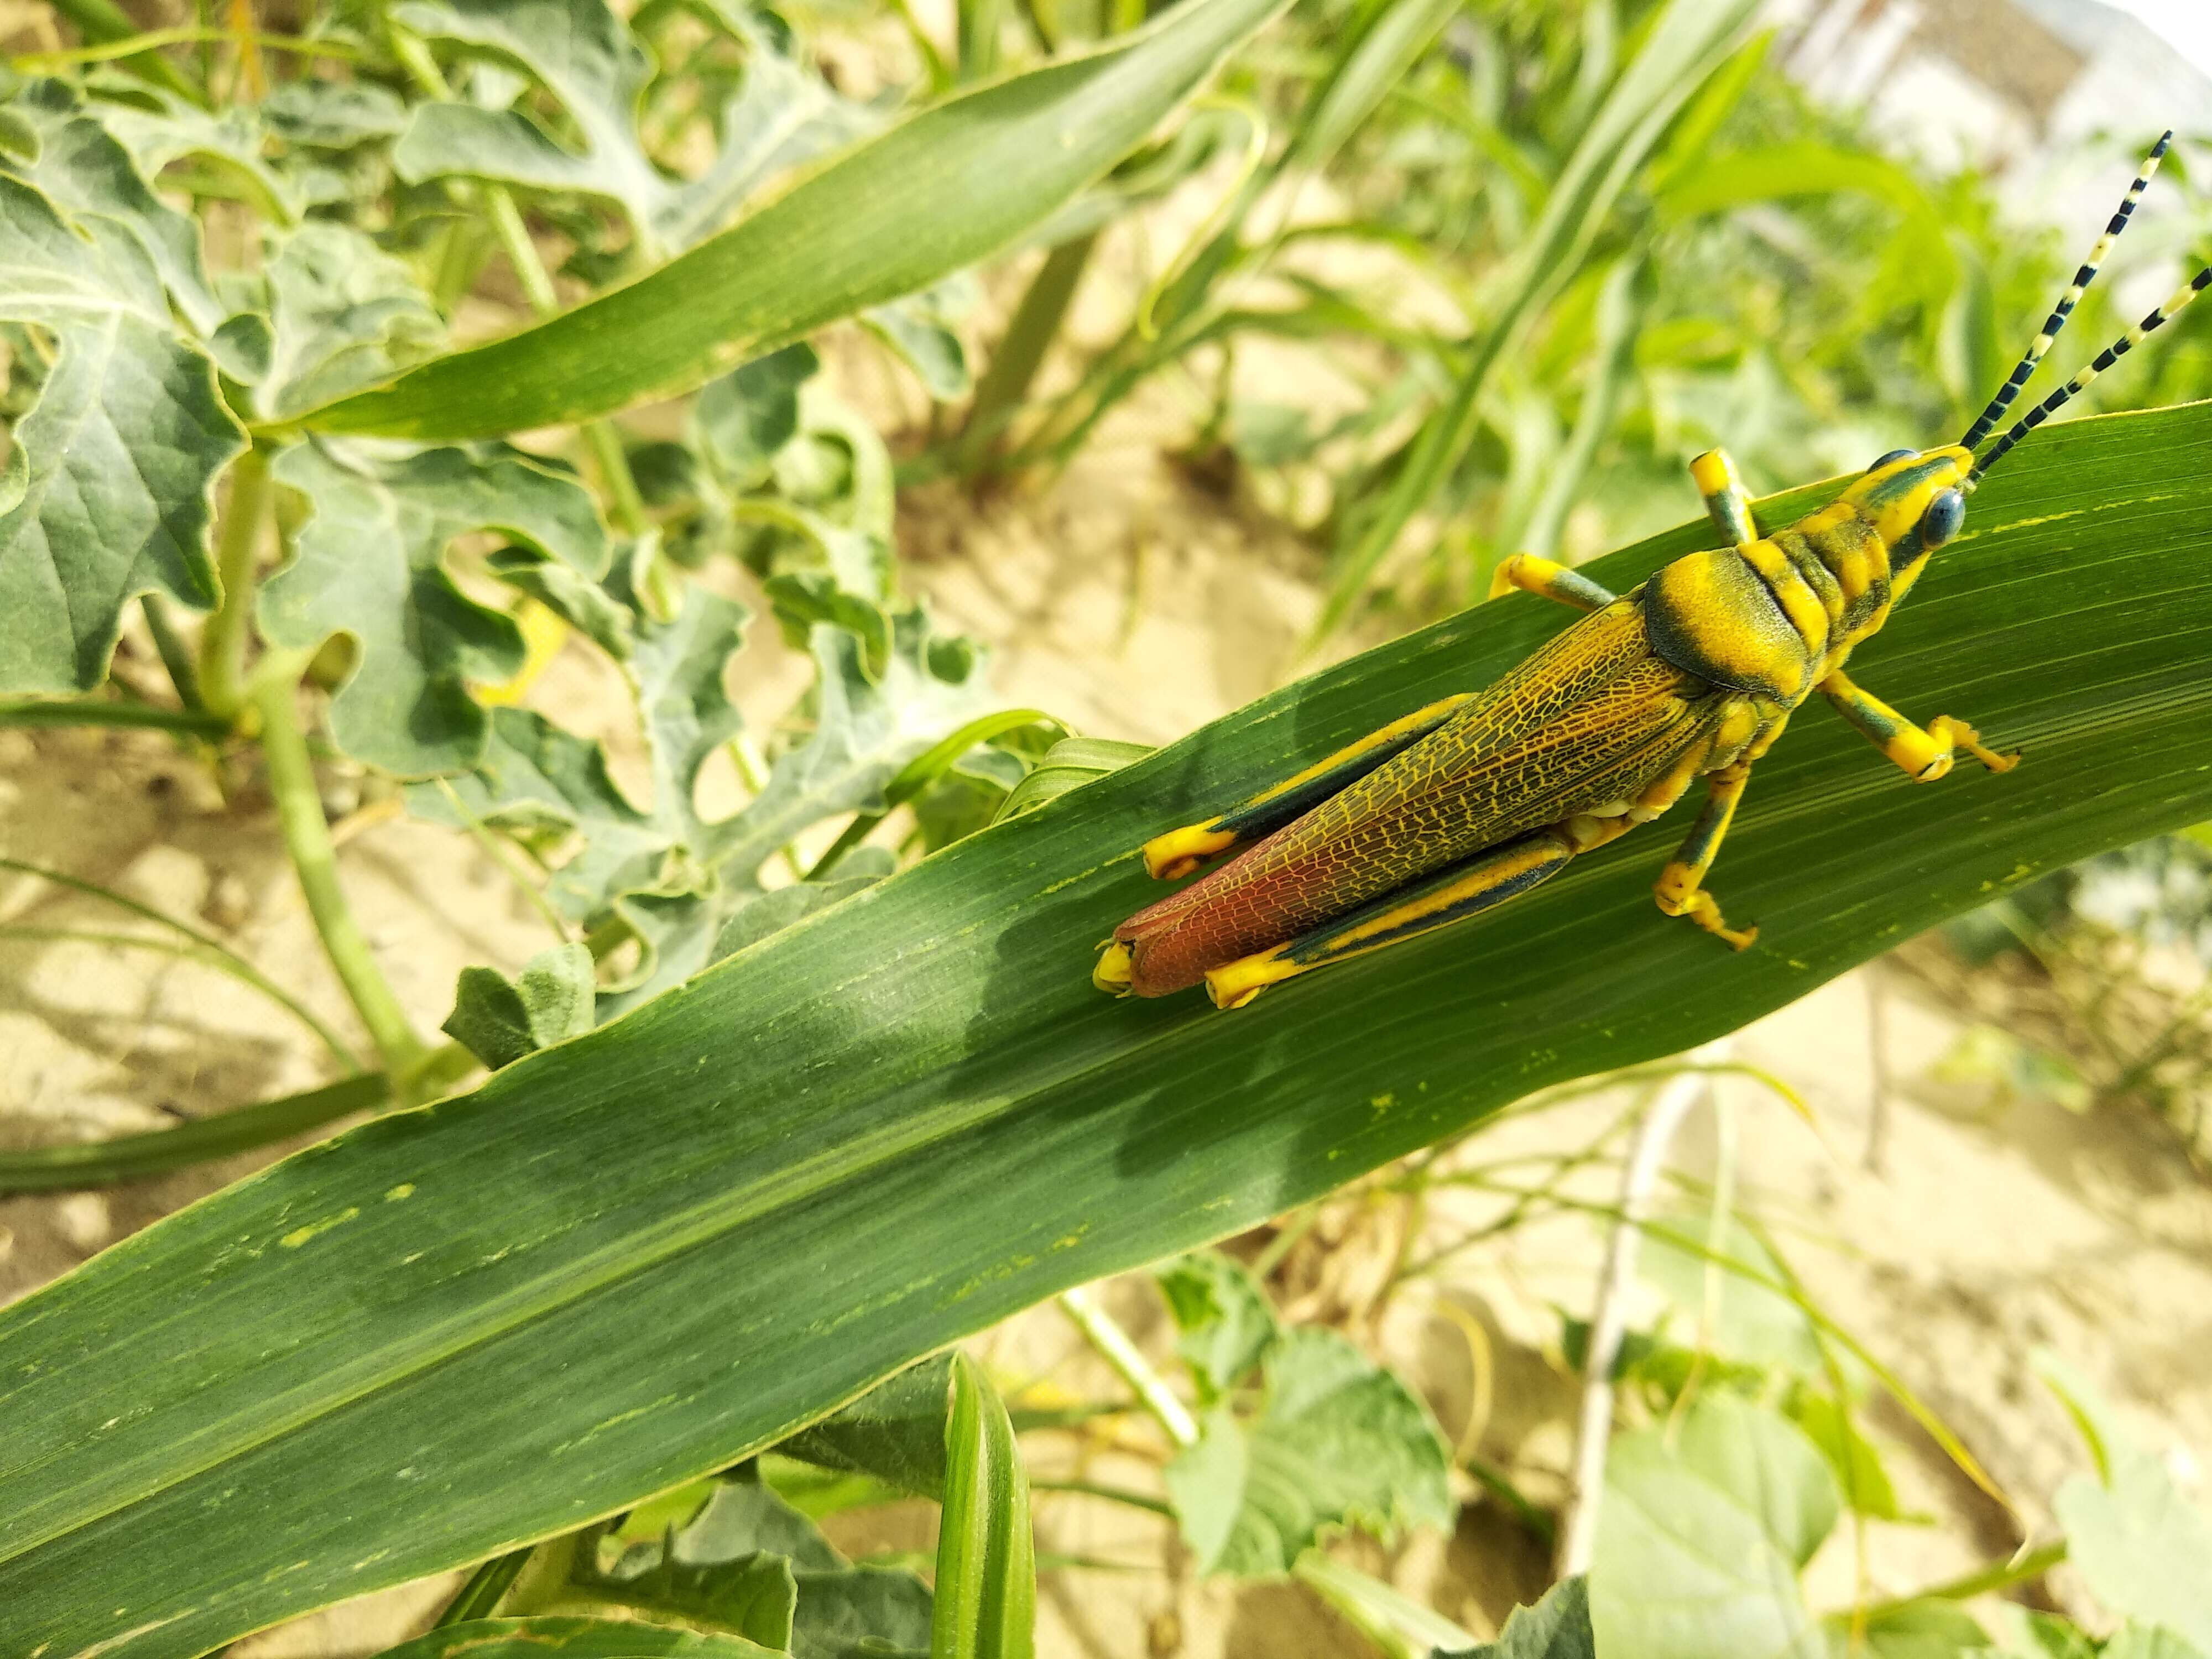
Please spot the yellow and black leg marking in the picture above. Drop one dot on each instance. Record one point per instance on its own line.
(1549, 581)
(1726, 503)
(1924, 755)
(1180, 851)
(1475, 885)
(1681, 886)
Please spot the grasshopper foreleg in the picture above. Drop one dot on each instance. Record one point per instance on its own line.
(1923, 754)
(1475, 884)
(1179, 852)
(1549, 581)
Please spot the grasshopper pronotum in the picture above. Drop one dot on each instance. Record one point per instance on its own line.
(1474, 799)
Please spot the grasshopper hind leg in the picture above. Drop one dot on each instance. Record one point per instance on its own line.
(1478, 883)
(1180, 851)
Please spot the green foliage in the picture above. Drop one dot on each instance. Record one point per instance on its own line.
(498, 1020)
(106, 490)
(1557, 1628)
(569, 1638)
(896, 1432)
(1227, 1328)
(1703, 1531)
(369, 561)
(1339, 1441)
(942, 189)
(909, 1116)
(748, 1564)
(2144, 1548)
(986, 1604)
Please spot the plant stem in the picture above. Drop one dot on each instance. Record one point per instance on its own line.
(222, 643)
(1021, 352)
(625, 503)
(176, 657)
(1115, 1348)
(1608, 1319)
(1135, 1500)
(97, 711)
(102, 22)
(1999, 1575)
(487, 1587)
(307, 839)
(206, 946)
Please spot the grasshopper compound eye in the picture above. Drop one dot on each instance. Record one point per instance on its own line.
(1945, 514)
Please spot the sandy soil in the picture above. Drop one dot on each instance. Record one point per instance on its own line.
(1135, 603)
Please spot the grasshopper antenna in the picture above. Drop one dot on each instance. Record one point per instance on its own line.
(2111, 354)
(1989, 416)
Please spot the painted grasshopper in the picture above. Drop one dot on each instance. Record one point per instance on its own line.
(1476, 800)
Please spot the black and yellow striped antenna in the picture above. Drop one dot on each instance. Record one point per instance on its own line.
(2104, 359)
(1989, 416)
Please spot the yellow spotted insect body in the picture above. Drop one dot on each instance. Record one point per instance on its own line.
(1474, 799)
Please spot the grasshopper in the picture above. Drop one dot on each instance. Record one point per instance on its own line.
(1474, 799)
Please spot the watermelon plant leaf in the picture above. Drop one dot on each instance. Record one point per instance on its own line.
(750, 1563)
(320, 115)
(1226, 1325)
(920, 328)
(545, 785)
(105, 492)
(342, 313)
(1557, 1628)
(895, 1431)
(1702, 1533)
(500, 1019)
(226, 147)
(2142, 1546)
(1339, 1441)
(584, 55)
(743, 420)
(369, 562)
(1917, 1629)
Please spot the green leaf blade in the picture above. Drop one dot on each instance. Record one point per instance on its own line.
(881, 1130)
(986, 1559)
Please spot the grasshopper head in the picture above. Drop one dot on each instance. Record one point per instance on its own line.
(1914, 500)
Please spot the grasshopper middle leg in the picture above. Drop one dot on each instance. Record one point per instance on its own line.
(1487, 880)
(1923, 754)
